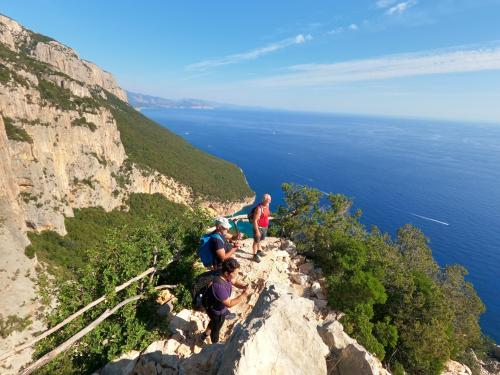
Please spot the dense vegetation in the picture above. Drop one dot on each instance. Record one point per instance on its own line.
(14, 132)
(398, 302)
(149, 144)
(103, 250)
(89, 228)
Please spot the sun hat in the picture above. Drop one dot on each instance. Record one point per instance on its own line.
(223, 221)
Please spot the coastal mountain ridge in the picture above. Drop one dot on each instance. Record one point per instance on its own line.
(69, 140)
(103, 193)
(148, 101)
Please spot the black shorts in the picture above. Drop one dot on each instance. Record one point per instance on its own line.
(263, 234)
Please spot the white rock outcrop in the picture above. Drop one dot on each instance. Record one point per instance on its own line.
(279, 336)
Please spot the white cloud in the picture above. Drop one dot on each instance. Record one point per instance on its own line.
(337, 30)
(249, 55)
(299, 39)
(400, 8)
(471, 59)
(341, 29)
(385, 3)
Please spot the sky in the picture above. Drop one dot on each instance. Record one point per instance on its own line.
(408, 58)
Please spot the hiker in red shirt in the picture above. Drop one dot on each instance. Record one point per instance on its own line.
(260, 224)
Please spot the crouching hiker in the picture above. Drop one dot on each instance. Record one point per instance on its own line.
(215, 247)
(218, 298)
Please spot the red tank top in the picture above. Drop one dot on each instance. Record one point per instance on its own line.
(264, 216)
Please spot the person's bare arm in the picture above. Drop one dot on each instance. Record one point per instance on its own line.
(233, 302)
(238, 284)
(256, 218)
(222, 255)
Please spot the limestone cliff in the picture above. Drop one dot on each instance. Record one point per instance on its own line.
(61, 149)
(61, 57)
(64, 149)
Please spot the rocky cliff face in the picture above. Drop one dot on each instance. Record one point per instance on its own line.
(63, 147)
(60, 149)
(61, 57)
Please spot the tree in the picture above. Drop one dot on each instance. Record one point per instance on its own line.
(397, 301)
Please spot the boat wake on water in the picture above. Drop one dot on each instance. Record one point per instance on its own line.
(430, 219)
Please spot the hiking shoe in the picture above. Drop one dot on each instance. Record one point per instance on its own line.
(256, 258)
(261, 253)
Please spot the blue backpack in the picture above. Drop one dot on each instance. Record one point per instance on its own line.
(206, 254)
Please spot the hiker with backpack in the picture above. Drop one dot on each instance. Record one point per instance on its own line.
(216, 297)
(259, 217)
(215, 247)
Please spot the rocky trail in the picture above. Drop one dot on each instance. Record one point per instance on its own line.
(285, 327)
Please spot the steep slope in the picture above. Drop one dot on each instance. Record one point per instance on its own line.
(69, 140)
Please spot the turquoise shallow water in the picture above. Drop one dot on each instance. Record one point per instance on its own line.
(440, 176)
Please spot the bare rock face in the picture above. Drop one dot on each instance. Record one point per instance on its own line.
(279, 337)
(60, 149)
(333, 335)
(347, 357)
(356, 360)
(58, 55)
(455, 368)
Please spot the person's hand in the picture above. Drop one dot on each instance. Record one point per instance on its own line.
(239, 236)
(247, 292)
(236, 243)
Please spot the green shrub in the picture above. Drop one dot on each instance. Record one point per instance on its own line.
(103, 250)
(55, 95)
(397, 301)
(4, 74)
(82, 121)
(16, 133)
(12, 323)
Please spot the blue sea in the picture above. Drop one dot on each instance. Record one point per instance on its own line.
(443, 177)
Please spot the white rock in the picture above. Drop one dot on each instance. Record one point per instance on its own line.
(299, 278)
(315, 288)
(203, 363)
(122, 365)
(278, 337)
(355, 360)
(455, 368)
(333, 335)
(182, 322)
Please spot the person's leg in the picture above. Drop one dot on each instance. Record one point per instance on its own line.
(218, 321)
(263, 234)
(263, 237)
(210, 325)
(255, 247)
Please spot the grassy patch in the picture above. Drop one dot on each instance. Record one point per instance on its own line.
(89, 227)
(57, 96)
(4, 74)
(12, 323)
(16, 133)
(82, 121)
(84, 181)
(150, 145)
